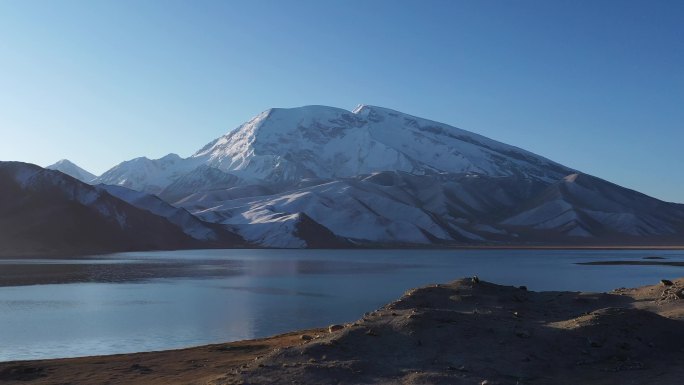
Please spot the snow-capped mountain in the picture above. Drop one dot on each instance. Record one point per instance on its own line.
(148, 175)
(71, 169)
(288, 145)
(316, 176)
(48, 212)
(324, 142)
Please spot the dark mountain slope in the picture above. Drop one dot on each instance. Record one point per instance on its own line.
(45, 212)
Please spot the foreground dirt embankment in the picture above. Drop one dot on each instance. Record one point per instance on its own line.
(464, 332)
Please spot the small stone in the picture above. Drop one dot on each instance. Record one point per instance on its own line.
(666, 282)
(371, 332)
(475, 279)
(305, 337)
(524, 288)
(334, 328)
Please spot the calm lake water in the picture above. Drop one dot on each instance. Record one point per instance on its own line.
(240, 294)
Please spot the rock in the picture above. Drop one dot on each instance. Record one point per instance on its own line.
(305, 337)
(475, 279)
(524, 288)
(371, 332)
(666, 282)
(334, 328)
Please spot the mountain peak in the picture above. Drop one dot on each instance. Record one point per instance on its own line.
(68, 167)
(170, 157)
(362, 109)
(320, 142)
(149, 175)
(62, 161)
(288, 144)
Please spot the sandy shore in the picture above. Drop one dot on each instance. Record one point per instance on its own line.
(464, 332)
(200, 365)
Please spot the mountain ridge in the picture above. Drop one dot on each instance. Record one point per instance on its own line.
(376, 176)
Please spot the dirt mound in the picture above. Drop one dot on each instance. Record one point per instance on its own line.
(465, 332)
(473, 332)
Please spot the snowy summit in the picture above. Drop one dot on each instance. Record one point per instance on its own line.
(71, 169)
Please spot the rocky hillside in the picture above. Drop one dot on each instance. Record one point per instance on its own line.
(46, 212)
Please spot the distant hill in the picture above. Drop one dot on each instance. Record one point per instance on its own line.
(46, 212)
(71, 169)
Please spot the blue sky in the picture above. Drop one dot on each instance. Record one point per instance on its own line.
(595, 85)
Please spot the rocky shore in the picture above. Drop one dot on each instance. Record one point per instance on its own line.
(464, 332)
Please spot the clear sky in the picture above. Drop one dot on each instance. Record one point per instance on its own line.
(597, 85)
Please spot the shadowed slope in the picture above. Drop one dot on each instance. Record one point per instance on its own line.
(45, 212)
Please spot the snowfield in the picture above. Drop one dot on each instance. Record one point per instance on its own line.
(375, 176)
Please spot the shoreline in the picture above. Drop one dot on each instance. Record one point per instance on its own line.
(464, 332)
(45, 271)
(100, 255)
(181, 366)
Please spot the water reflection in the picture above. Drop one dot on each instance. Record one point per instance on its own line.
(273, 291)
(150, 301)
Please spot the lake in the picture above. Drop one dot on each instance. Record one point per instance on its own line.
(144, 301)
